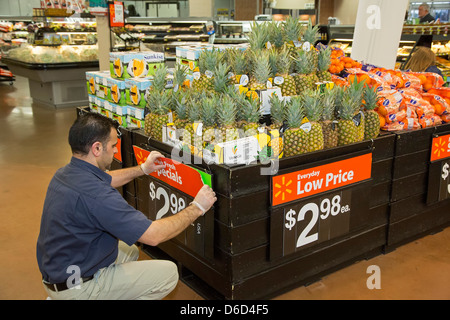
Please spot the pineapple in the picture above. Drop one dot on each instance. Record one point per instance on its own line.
(306, 78)
(181, 105)
(260, 70)
(324, 63)
(226, 114)
(312, 101)
(277, 115)
(193, 117)
(294, 136)
(250, 112)
(311, 35)
(328, 122)
(371, 118)
(349, 106)
(207, 62)
(284, 62)
(356, 90)
(153, 98)
(209, 107)
(161, 116)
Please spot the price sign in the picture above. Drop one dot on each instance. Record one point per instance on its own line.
(170, 190)
(315, 221)
(166, 201)
(439, 170)
(314, 204)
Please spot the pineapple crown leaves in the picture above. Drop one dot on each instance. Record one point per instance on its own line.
(209, 58)
(324, 59)
(193, 112)
(284, 61)
(370, 98)
(311, 33)
(277, 109)
(292, 29)
(303, 62)
(329, 104)
(180, 74)
(159, 79)
(273, 61)
(221, 80)
(163, 103)
(250, 110)
(237, 60)
(276, 34)
(209, 111)
(295, 112)
(260, 65)
(258, 36)
(350, 101)
(355, 91)
(312, 102)
(227, 112)
(181, 104)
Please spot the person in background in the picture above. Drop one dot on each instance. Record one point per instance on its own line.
(424, 13)
(86, 244)
(132, 11)
(423, 60)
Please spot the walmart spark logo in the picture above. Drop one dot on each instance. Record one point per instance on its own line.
(439, 147)
(282, 189)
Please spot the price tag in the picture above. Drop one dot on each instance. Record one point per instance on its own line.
(315, 221)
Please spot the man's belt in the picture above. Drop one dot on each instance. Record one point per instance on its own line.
(63, 285)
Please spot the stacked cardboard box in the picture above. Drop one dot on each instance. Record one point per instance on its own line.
(120, 93)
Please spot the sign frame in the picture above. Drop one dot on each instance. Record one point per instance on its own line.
(278, 210)
(438, 189)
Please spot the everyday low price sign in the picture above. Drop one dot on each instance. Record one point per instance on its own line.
(304, 183)
(176, 174)
(315, 205)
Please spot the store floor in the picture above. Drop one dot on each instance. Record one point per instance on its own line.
(33, 145)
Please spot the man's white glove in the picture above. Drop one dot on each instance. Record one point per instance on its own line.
(149, 165)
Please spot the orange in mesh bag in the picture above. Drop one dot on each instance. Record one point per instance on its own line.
(430, 121)
(406, 124)
(439, 104)
(413, 81)
(389, 102)
(446, 117)
(428, 80)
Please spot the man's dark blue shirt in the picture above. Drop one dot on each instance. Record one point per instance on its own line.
(82, 220)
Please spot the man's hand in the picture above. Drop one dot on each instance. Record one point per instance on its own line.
(149, 165)
(205, 198)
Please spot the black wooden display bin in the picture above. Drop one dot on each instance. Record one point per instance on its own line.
(243, 255)
(411, 217)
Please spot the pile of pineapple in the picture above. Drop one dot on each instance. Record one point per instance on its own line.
(223, 101)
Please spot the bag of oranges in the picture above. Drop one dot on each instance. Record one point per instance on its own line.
(438, 103)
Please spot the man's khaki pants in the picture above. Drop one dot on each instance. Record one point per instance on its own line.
(126, 279)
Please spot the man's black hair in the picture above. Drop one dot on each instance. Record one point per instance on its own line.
(89, 128)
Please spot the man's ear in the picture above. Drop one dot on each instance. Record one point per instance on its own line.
(96, 148)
